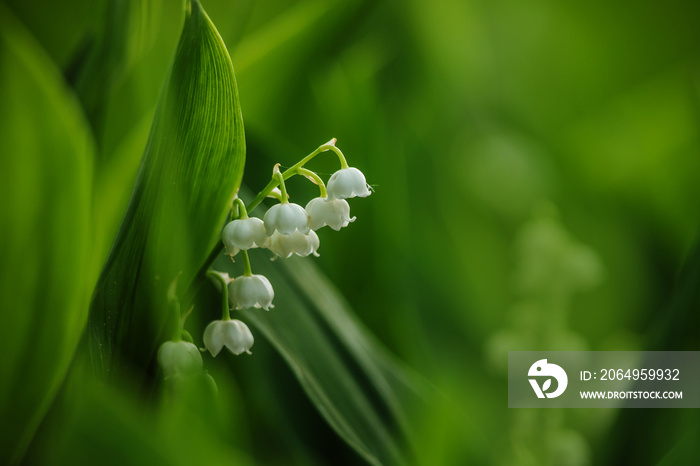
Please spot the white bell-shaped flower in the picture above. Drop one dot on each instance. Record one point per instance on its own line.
(347, 183)
(179, 358)
(286, 219)
(245, 233)
(332, 212)
(296, 243)
(233, 334)
(251, 291)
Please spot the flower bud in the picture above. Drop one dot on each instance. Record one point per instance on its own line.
(179, 358)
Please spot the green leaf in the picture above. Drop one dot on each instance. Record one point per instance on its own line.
(107, 426)
(58, 27)
(674, 330)
(278, 52)
(362, 394)
(45, 278)
(191, 168)
(684, 451)
(114, 179)
(122, 32)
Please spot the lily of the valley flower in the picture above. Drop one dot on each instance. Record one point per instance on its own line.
(233, 334)
(244, 234)
(332, 212)
(251, 291)
(286, 219)
(179, 358)
(296, 243)
(347, 183)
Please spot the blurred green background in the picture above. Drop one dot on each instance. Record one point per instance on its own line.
(532, 162)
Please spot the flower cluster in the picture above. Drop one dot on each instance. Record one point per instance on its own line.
(286, 229)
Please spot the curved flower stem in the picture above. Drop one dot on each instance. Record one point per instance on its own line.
(291, 171)
(280, 179)
(314, 178)
(239, 205)
(247, 271)
(225, 311)
(341, 157)
(275, 195)
(184, 334)
(174, 301)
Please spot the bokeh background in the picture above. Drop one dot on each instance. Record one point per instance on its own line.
(535, 168)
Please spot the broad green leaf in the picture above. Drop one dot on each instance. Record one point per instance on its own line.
(676, 329)
(58, 27)
(107, 426)
(45, 278)
(399, 389)
(348, 377)
(191, 168)
(120, 32)
(127, 100)
(113, 182)
(685, 451)
(277, 53)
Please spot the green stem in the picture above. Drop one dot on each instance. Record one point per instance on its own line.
(225, 311)
(341, 157)
(315, 178)
(247, 271)
(178, 319)
(240, 205)
(274, 182)
(283, 188)
(174, 301)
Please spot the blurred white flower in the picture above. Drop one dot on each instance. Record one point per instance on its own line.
(179, 358)
(244, 234)
(250, 291)
(286, 219)
(224, 277)
(332, 212)
(296, 243)
(347, 183)
(276, 193)
(233, 334)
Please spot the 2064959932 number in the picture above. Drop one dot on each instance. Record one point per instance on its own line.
(639, 374)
